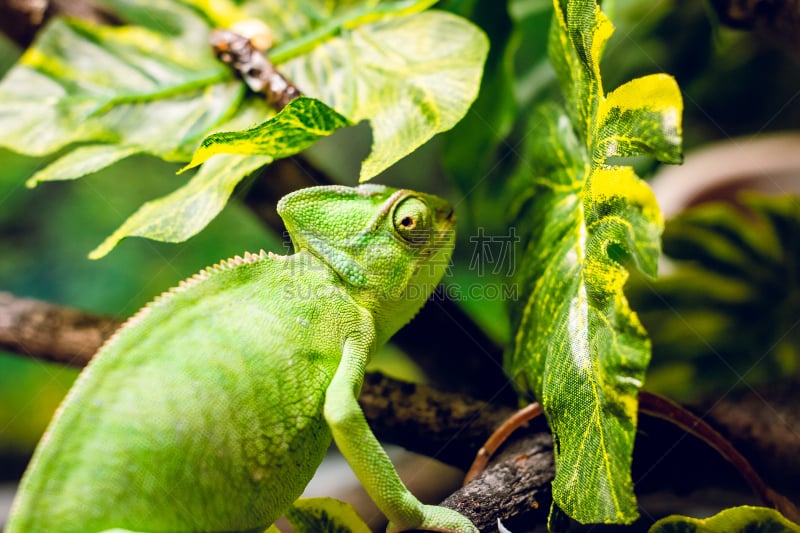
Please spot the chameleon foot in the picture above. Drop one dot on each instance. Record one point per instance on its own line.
(436, 518)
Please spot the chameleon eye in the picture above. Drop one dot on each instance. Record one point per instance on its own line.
(412, 220)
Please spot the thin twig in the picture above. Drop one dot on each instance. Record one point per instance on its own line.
(658, 406)
(500, 435)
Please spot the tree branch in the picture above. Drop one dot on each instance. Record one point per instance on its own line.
(52, 332)
(449, 427)
(514, 488)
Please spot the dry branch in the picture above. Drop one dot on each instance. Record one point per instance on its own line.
(51, 332)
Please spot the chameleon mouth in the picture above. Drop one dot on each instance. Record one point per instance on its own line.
(446, 227)
(449, 221)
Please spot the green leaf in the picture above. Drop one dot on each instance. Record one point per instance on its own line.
(325, 515)
(743, 519)
(411, 76)
(579, 348)
(186, 211)
(295, 128)
(178, 216)
(82, 161)
(729, 306)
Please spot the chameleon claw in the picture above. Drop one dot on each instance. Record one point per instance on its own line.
(440, 519)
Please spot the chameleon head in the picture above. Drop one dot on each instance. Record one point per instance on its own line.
(391, 247)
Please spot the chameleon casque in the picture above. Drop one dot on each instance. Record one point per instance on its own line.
(212, 407)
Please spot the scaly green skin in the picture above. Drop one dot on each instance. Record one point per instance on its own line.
(211, 409)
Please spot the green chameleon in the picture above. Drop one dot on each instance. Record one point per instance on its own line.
(213, 406)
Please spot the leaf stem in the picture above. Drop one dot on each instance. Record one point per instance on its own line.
(499, 436)
(166, 92)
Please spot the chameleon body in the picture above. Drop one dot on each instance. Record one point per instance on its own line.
(212, 407)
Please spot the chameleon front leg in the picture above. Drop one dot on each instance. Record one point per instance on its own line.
(367, 457)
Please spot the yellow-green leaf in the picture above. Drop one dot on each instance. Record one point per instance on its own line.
(186, 211)
(411, 74)
(82, 161)
(743, 519)
(576, 42)
(640, 117)
(295, 128)
(579, 348)
(325, 515)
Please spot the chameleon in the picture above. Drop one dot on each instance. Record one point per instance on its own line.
(211, 408)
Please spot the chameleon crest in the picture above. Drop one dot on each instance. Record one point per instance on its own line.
(211, 409)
